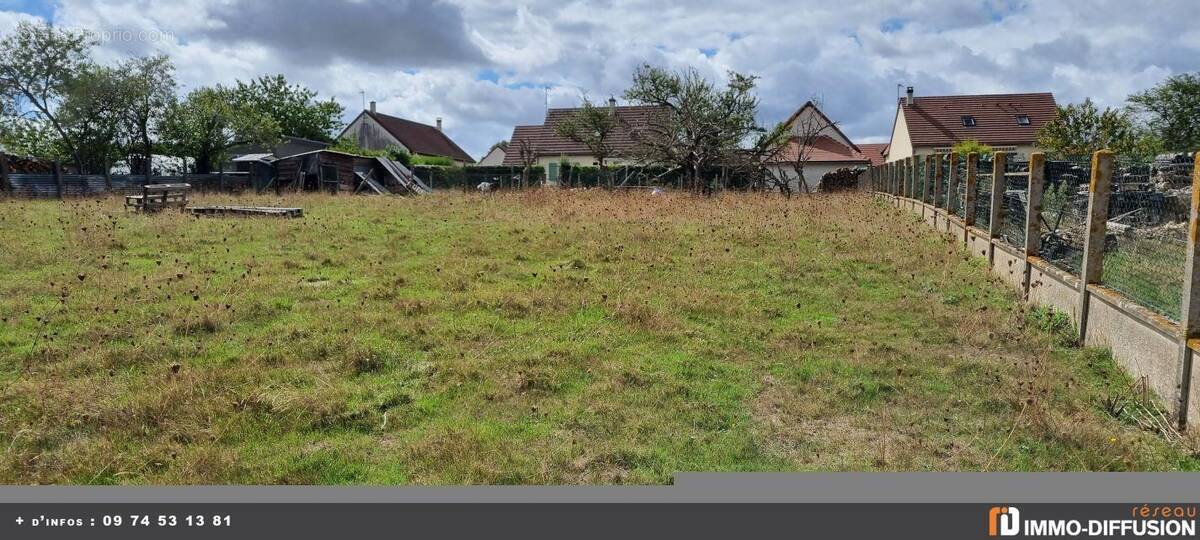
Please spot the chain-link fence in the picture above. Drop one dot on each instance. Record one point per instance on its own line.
(1016, 198)
(1146, 243)
(983, 193)
(960, 200)
(942, 176)
(1064, 213)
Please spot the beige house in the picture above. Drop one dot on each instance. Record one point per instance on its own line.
(551, 149)
(927, 125)
(817, 141)
(494, 158)
(377, 131)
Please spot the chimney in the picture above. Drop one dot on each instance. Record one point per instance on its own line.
(908, 100)
(612, 105)
(439, 123)
(372, 107)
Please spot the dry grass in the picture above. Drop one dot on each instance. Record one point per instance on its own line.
(545, 337)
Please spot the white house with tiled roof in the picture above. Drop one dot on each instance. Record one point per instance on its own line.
(552, 149)
(926, 125)
(827, 148)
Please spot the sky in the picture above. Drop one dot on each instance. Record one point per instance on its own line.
(487, 65)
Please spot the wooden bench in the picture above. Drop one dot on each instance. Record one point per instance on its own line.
(155, 197)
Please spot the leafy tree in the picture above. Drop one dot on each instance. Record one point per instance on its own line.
(293, 107)
(208, 121)
(503, 145)
(148, 86)
(968, 146)
(37, 66)
(593, 127)
(29, 137)
(91, 115)
(1173, 108)
(697, 125)
(1080, 129)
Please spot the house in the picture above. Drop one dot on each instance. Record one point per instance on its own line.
(817, 141)
(550, 149)
(927, 125)
(377, 131)
(494, 157)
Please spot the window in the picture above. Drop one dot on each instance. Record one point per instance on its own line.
(968, 121)
(1022, 120)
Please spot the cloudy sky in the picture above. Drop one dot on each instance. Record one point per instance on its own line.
(486, 65)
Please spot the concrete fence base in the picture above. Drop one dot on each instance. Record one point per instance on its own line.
(1148, 346)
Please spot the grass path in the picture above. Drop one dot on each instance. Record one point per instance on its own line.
(538, 338)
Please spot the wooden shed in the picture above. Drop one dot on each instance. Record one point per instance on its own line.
(317, 170)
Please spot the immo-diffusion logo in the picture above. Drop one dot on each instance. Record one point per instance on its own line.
(1147, 520)
(1004, 521)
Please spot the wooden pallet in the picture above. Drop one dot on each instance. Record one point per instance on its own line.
(269, 211)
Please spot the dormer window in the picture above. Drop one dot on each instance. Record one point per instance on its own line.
(1022, 120)
(968, 121)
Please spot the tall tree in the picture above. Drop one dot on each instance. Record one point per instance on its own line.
(37, 65)
(293, 107)
(148, 84)
(696, 124)
(208, 121)
(1173, 107)
(1080, 129)
(91, 115)
(593, 127)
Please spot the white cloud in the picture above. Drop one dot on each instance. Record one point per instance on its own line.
(482, 64)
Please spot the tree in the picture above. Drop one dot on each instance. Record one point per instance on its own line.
(349, 145)
(593, 127)
(696, 124)
(293, 107)
(37, 66)
(528, 157)
(149, 92)
(503, 145)
(208, 121)
(968, 146)
(1173, 108)
(1080, 129)
(91, 114)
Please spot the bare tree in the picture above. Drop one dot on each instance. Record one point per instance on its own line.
(788, 148)
(528, 158)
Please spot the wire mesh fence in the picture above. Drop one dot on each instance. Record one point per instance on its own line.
(1146, 240)
(942, 177)
(1064, 213)
(1016, 196)
(960, 200)
(983, 193)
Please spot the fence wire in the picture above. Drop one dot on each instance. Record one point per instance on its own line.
(960, 202)
(1146, 243)
(983, 193)
(944, 173)
(1064, 213)
(1016, 197)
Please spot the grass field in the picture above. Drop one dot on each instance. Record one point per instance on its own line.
(546, 337)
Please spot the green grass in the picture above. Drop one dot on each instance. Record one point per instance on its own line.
(542, 338)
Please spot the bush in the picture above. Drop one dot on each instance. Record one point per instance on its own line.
(841, 179)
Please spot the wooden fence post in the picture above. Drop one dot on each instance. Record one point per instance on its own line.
(58, 178)
(1097, 224)
(1189, 321)
(1033, 211)
(5, 184)
(999, 183)
(952, 183)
